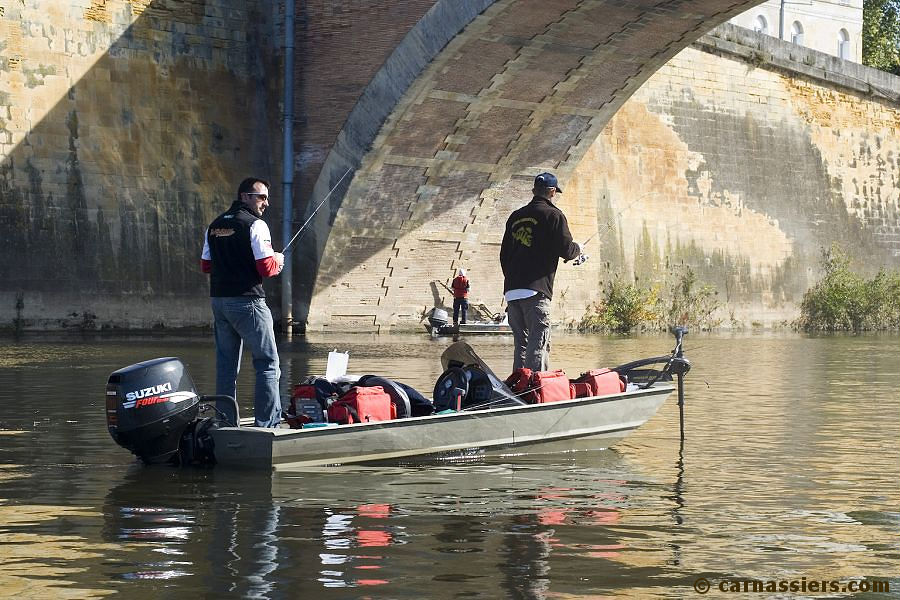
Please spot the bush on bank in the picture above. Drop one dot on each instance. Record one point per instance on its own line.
(680, 299)
(845, 301)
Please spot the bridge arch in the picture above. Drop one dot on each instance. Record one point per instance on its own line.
(526, 85)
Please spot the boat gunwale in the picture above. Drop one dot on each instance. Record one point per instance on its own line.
(280, 433)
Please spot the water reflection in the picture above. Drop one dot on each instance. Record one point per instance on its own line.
(788, 469)
(36, 560)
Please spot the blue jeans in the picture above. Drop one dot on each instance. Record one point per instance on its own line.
(460, 304)
(247, 319)
(529, 320)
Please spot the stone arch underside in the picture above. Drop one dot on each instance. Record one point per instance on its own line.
(528, 85)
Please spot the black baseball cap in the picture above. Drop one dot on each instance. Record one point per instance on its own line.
(547, 180)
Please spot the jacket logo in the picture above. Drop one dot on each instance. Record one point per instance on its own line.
(522, 231)
(221, 232)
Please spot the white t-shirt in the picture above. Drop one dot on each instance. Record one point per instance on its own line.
(519, 294)
(260, 242)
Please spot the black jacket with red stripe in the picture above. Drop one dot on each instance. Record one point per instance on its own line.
(237, 253)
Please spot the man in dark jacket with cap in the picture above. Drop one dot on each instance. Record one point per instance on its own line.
(536, 237)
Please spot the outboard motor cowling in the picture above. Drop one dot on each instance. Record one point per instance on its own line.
(438, 317)
(149, 405)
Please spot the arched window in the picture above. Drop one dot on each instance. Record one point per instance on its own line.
(844, 44)
(761, 25)
(797, 33)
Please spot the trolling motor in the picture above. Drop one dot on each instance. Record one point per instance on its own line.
(673, 364)
(153, 410)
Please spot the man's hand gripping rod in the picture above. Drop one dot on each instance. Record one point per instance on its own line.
(583, 257)
(287, 247)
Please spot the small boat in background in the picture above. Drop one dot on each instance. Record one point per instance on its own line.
(439, 324)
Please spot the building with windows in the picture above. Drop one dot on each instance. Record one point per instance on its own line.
(830, 26)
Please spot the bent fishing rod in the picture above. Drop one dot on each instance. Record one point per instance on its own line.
(287, 247)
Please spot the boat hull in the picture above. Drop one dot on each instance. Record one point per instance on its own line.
(469, 328)
(604, 419)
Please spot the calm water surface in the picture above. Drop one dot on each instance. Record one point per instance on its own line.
(789, 470)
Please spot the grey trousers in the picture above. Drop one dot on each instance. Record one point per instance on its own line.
(529, 320)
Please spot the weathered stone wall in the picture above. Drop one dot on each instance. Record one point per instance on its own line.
(741, 158)
(127, 123)
(125, 126)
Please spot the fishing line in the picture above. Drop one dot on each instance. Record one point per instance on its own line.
(609, 224)
(302, 227)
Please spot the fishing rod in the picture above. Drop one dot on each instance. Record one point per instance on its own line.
(585, 242)
(302, 227)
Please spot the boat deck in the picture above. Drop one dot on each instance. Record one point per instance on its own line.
(608, 418)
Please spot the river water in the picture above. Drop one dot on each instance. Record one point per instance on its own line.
(788, 473)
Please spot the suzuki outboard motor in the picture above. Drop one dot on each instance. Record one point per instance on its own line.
(438, 317)
(149, 406)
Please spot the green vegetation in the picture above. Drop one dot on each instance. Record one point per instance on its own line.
(678, 300)
(845, 301)
(623, 308)
(881, 35)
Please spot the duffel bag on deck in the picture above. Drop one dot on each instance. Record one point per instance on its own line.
(520, 383)
(580, 389)
(400, 400)
(550, 386)
(362, 405)
(602, 382)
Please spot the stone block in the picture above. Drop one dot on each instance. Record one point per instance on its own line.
(490, 136)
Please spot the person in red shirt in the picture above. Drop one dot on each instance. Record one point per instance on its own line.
(460, 287)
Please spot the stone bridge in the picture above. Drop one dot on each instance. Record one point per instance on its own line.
(129, 123)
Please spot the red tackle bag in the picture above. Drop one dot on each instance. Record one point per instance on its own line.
(362, 405)
(550, 386)
(520, 382)
(602, 382)
(580, 389)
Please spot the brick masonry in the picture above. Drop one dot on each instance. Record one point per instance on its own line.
(495, 106)
(126, 124)
(742, 158)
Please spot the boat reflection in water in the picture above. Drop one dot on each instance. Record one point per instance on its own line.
(481, 525)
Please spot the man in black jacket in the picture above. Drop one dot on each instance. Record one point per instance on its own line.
(536, 237)
(238, 254)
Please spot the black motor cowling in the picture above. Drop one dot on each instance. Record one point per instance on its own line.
(149, 406)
